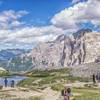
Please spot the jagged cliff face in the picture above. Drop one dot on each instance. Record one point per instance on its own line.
(86, 48)
(48, 55)
(2, 70)
(79, 48)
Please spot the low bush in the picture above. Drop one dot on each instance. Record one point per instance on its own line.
(1, 87)
(57, 87)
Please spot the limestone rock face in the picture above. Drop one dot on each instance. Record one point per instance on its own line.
(78, 48)
(83, 48)
(98, 60)
(48, 55)
(86, 70)
(2, 70)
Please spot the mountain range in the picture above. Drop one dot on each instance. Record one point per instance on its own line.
(7, 54)
(75, 49)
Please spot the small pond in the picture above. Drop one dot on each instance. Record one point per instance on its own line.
(15, 78)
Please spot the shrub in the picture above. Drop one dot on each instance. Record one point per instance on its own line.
(1, 87)
(57, 87)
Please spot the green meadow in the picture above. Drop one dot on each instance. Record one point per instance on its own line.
(56, 79)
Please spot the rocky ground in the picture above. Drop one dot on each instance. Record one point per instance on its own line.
(25, 94)
(85, 70)
(19, 93)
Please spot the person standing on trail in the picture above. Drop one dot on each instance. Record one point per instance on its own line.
(12, 83)
(97, 77)
(63, 93)
(6, 82)
(94, 79)
(69, 95)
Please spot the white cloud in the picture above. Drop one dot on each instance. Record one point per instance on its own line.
(24, 37)
(30, 34)
(82, 12)
(27, 36)
(62, 23)
(16, 23)
(74, 1)
(9, 18)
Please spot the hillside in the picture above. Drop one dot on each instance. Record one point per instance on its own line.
(48, 84)
(7, 54)
(2, 70)
(78, 48)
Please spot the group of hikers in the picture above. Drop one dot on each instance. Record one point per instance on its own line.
(6, 83)
(96, 78)
(66, 94)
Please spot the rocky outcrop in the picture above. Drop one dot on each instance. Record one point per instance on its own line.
(98, 59)
(82, 48)
(79, 48)
(2, 70)
(85, 70)
(48, 55)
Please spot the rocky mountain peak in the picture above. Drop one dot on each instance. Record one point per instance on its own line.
(2, 70)
(75, 49)
(81, 33)
(60, 38)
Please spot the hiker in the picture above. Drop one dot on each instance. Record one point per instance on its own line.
(94, 81)
(6, 82)
(63, 93)
(69, 95)
(12, 83)
(97, 77)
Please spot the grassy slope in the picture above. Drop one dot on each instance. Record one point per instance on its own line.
(50, 76)
(58, 77)
(86, 93)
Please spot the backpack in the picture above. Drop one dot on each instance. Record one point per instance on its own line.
(71, 98)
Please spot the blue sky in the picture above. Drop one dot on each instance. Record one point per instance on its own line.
(40, 11)
(25, 23)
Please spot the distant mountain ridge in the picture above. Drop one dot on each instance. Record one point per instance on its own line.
(7, 54)
(78, 48)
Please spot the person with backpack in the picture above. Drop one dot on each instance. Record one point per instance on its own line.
(97, 77)
(12, 83)
(94, 79)
(69, 96)
(63, 93)
(6, 82)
